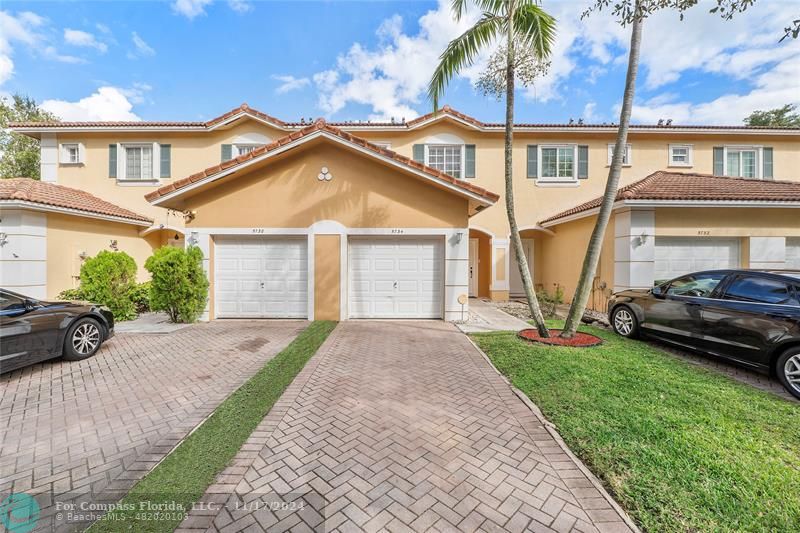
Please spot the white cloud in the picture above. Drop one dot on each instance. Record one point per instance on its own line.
(51, 53)
(107, 103)
(290, 83)
(392, 78)
(190, 8)
(240, 6)
(142, 49)
(84, 39)
(20, 29)
(589, 115)
(103, 28)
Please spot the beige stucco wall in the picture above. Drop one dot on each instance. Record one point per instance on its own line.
(68, 236)
(327, 281)
(534, 203)
(727, 222)
(559, 258)
(362, 194)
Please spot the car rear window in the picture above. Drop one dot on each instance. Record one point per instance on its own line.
(761, 290)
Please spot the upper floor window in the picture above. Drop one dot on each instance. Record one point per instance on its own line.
(680, 155)
(71, 154)
(557, 163)
(741, 162)
(243, 144)
(447, 153)
(753, 162)
(138, 161)
(241, 149)
(383, 144)
(626, 158)
(446, 158)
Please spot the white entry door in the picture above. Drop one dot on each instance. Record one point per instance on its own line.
(396, 277)
(676, 256)
(515, 280)
(793, 253)
(473, 267)
(259, 277)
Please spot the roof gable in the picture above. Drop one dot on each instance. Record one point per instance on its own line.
(321, 129)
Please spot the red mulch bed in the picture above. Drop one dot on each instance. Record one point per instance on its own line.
(579, 340)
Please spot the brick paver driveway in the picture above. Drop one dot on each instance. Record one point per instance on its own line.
(100, 424)
(403, 426)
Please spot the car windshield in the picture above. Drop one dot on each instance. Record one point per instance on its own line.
(700, 285)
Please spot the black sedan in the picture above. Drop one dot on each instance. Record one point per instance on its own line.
(751, 317)
(32, 331)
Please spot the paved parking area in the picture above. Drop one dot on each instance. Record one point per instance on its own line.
(403, 426)
(99, 425)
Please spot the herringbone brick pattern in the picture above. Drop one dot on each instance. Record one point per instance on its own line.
(97, 426)
(404, 426)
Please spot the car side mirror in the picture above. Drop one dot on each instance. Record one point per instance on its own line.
(657, 291)
(30, 305)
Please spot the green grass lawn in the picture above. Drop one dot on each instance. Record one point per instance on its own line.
(681, 448)
(186, 473)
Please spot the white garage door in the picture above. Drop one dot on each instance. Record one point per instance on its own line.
(257, 277)
(676, 256)
(396, 278)
(793, 252)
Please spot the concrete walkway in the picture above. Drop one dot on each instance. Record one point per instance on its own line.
(148, 323)
(486, 317)
(403, 426)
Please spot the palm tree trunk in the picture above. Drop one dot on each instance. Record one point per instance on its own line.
(582, 291)
(516, 241)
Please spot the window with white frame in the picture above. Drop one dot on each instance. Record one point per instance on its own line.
(71, 154)
(447, 158)
(138, 161)
(626, 158)
(742, 162)
(383, 144)
(558, 163)
(680, 155)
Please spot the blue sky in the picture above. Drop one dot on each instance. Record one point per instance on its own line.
(195, 59)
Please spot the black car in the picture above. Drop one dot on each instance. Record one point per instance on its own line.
(751, 317)
(32, 331)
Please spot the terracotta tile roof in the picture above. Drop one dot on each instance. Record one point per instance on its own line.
(244, 108)
(446, 110)
(678, 186)
(320, 125)
(50, 194)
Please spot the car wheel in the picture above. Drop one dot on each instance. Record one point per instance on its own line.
(787, 369)
(624, 322)
(83, 339)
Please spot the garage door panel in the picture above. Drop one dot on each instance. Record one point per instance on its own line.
(676, 256)
(261, 277)
(396, 278)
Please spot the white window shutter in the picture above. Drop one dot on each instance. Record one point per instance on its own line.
(62, 154)
(81, 153)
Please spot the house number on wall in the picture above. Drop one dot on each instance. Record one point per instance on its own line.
(396, 231)
(258, 230)
(703, 232)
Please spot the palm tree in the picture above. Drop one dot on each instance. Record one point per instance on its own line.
(590, 260)
(520, 23)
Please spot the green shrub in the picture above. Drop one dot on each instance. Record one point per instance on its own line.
(108, 279)
(179, 285)
(71, 295)
(140, 296)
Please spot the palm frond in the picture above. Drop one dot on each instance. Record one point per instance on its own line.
(460, 7)
(535, 28)
(461, 52)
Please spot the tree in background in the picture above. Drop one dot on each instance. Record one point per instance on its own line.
(19, 154)
(524, 28)
(781, 117)
(630, 13)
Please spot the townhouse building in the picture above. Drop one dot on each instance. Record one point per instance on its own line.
(398, 219)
